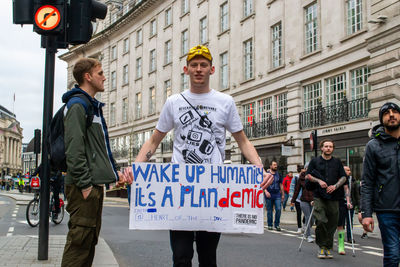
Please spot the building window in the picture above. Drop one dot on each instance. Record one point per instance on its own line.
(184, 82)
(184, 6)
(312, 95)
(354, 16)
(125, 74)
(247, 8)
(311, 28)
(167, 89)
(335, 89)
(139, 37)
(152, 100)
(168, 52)
(281, 105)
(112, 114)
(138, 68)
(359, 85)
(248, 114)
(203, 30)
(138, 104)
(248, 59)
(126, 45)
(113, 80)
(277, 45)
(224, 78)
(125, 110)
(153, 61)
(153, 27)
(224, 20)
(185, 42)
(265, 109)
(114, 52)
(168, 17)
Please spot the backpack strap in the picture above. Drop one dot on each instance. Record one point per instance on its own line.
(87, 105)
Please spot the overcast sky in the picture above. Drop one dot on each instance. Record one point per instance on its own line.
(22, 72)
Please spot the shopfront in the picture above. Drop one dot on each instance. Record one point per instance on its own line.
(349, 147)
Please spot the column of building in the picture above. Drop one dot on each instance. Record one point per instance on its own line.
(294, 104)
(384, 63)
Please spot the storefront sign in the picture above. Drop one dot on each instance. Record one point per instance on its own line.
(286, 150)
(220, 198)
(338, 129)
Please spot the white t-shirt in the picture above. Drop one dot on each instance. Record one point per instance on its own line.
(194, 141)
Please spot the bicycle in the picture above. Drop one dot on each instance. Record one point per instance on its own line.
(33, 208)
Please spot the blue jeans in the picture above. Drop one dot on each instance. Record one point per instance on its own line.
(270, 204)
(389, 224)
(285, 200)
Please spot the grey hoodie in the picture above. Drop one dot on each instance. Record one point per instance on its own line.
(380, 190)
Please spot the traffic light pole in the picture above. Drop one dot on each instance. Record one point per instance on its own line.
(51, 50)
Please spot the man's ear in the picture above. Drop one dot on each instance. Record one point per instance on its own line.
(185, 69)
(212, 70)
(87, 77)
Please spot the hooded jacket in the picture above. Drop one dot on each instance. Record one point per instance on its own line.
(89, 158)
(380, 187)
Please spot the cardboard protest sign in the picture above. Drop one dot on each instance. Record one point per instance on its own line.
(218, 198)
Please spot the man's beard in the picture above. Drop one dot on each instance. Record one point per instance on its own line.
(391, 128)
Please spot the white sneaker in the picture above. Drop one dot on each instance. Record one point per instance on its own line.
(310, 239)
(299, 230)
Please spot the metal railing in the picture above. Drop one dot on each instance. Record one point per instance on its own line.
(167, 146)
(266, 127)
(341, 112)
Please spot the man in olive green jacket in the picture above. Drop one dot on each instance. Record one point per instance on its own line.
(90, 164)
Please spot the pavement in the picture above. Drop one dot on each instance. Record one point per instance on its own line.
(22, 250)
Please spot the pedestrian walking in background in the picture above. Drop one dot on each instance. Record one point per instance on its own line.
(90, 164)
(326, 177)
(354, 188)
(344, 206)
(380, 188)
(210, 113)
(286, 188)
(306, 201)
(297, 202)
(274, 197)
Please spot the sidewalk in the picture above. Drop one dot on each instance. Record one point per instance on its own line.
(20, 250)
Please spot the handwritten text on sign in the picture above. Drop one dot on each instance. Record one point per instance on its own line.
(220, 198)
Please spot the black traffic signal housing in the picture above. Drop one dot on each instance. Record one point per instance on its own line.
(81, 13)
(49, 16)
(23, 12)
(36, 142)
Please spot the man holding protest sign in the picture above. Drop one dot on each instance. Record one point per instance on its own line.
(200, 117)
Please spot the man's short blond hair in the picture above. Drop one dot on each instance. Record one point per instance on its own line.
(84, 65)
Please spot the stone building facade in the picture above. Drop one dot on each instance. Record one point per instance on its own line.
(293, 67)
(10, 144)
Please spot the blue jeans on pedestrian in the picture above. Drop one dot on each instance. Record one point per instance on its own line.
(389, 224)
(270, 205)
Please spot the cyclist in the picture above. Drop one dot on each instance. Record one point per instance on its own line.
(56, 181)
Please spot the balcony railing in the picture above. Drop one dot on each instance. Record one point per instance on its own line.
(266, 127)
(341, 112)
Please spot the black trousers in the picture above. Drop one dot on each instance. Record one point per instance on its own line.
(182, 247)
(298, 213)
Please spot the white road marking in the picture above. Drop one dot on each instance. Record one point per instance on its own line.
(11, 229)
(9, 234)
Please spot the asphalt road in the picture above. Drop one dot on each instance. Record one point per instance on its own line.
(151, 248)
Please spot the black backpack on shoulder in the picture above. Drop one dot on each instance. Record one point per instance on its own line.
(55, 140)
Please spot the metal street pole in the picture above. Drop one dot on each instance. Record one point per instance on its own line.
(51, 50)
(316, 143)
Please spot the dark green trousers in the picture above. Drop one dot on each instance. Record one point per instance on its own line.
(326, 214)
(84, 226)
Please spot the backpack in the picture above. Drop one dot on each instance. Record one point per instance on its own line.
(55, 140)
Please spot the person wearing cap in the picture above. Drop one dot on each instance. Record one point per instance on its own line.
(380, 186)
(199, 117)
